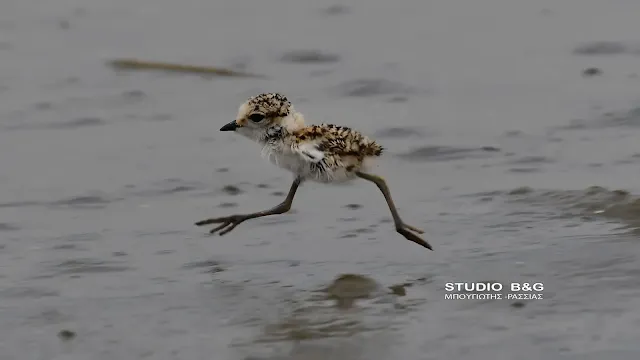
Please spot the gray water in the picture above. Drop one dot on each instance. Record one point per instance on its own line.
(519, 162)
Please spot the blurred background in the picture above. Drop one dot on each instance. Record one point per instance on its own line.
(511, 130)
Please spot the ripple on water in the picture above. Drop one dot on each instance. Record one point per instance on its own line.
(8, 227)
(532, 160)
(61, 125)
(631, 159)
(447, 153)
(165, 187)
(226, 205)
(399, 132)
(80, 237)
(373, 87)
(81, 266)
(625, 118)
(68, 247)
(526, 170)
(593, 202)
(336, 9)
(207, 266)
(309, 57)
(50, 316)
(133, 95)
(91, 200)
(17, 204)
(96, 201)
(606, 48)
(76, 123)
(27, 292)
(356, 232)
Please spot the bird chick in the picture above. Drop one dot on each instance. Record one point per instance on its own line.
(324, 153)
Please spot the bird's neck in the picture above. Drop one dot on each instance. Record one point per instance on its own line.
(287, 125)
(292, 122)
(274, 133)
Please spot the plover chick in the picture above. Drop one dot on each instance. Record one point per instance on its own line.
(323, 153)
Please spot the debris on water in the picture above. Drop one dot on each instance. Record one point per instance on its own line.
(337, 9)
(227, 205)
(518, 304)
(133, 64)
(593, 71)
(353, 206)
(232, 190)
(362, 231)
(349, 236)
(66, 335)
(215, 269)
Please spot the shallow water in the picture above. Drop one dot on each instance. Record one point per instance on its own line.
(519, 167)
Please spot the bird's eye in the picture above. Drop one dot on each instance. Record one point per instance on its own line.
(256, 117)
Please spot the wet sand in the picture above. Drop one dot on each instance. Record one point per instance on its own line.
(518, 159)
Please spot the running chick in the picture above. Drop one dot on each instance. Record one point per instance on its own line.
(321, 153)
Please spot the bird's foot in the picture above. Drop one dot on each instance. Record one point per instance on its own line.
(409, 231)
(227, 223)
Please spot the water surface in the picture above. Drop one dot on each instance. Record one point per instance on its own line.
(518, 167)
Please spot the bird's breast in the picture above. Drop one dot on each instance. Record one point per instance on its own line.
(289, 162)
(328, 170)
(281, 156)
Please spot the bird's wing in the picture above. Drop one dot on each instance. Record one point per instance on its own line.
(309, 151)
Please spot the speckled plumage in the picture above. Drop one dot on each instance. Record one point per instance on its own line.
(323, 153)
(339, 140)
(269, 104)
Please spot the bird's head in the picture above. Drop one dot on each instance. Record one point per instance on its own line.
(260, 115)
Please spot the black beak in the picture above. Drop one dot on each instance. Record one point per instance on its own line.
(230, 126)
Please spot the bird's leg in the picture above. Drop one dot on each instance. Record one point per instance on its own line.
(405, 230)
(228, 223)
